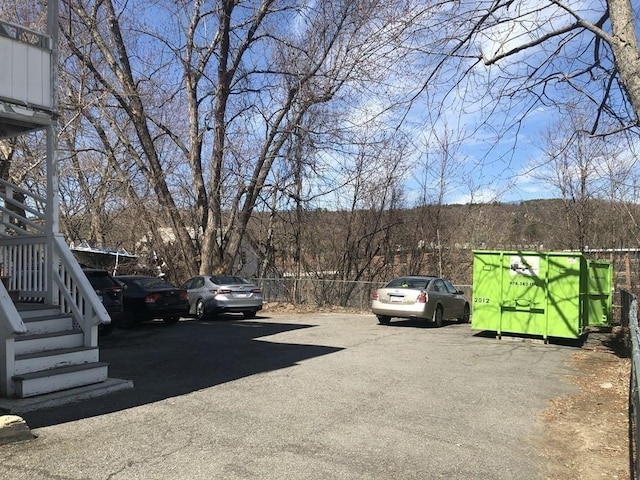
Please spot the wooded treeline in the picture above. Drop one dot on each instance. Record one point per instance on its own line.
(367, 245)
(332, 136)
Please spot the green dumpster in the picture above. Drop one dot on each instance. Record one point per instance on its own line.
(554, 294)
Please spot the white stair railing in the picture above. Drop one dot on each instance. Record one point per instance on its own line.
(11, 327)
(75, 295)
(44, 270)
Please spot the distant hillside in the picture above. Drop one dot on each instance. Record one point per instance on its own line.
(369, 245)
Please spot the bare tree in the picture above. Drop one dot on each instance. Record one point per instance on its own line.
(206, 111)
(531, 54)
(439, 171)
(93, 35)
(573, 167)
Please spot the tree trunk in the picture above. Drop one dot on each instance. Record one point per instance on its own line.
(625, 49)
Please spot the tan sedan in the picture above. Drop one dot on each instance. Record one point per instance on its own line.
(426, 297)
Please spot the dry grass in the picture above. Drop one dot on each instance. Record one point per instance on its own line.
(587, 433)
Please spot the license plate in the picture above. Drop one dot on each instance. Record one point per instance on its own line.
(396, 299)
(242, 295)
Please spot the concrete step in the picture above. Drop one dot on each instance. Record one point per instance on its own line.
(64, 357)
(61, 378)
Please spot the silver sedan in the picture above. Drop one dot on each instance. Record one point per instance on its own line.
(213, 294)
(426, 297)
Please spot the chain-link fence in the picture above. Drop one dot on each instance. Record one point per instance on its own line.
(629, 314)
(323, 293)
(318, 292)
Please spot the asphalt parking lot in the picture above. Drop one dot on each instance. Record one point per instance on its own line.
(313, 396)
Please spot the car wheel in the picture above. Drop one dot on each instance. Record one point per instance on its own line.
(171, 320)
(250, 314)
(438, 316)
(200, 310)
(383, 319)
(127, 319)
(465, 314)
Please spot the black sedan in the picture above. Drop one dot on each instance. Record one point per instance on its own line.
(148, 298)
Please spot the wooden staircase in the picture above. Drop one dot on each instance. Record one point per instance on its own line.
(51, 356)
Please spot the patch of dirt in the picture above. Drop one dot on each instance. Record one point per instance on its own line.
(586, 434)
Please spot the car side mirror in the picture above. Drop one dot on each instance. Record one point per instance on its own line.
(460, 292)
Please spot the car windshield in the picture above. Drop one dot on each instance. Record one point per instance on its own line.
(152, 283)
(418, 283)
(228, 280)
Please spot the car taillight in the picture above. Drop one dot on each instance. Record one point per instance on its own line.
(151, 298)
(422, 298)
(222, 291)
(256, 290)
(375, 295)
(184, 295)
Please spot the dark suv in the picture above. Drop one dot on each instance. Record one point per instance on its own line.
(110, 292)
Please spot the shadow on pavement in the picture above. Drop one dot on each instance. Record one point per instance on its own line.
(523, 337)
(167, 361)
(417, 323)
